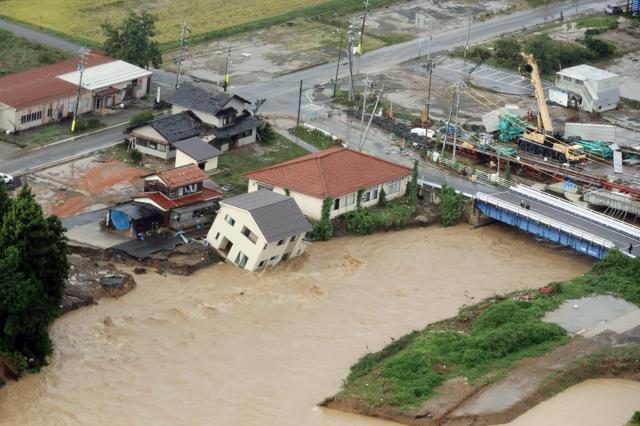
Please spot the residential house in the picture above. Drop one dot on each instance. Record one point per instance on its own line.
(587, 88)
(134, 218)
(230, 125)
(157, 137)
(50, 93)
(181, 195)
(259, 229)
(336, 173)
(196, 151)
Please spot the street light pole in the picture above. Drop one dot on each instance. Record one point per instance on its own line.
(335, 84)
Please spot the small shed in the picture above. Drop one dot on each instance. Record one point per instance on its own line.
(135, 217)
(196, 151)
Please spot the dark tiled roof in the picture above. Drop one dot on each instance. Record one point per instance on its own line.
(242, 124)
(195, 97)
(136, 210)
(277, 215)
(197, 149)
(177, 127)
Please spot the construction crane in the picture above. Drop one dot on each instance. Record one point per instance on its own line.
(541, 140)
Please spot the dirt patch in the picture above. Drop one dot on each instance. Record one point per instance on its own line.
(106, 175)
(66, 204)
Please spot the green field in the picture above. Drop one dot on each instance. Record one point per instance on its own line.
(18, 54)
(81, 19)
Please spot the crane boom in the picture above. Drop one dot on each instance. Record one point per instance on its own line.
(543, 111)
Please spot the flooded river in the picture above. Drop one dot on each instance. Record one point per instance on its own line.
(591, 403)
(225, 347)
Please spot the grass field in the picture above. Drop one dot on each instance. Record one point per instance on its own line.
(18, 54)
(81, 19)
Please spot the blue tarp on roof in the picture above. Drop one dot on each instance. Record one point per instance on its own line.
(120, 220)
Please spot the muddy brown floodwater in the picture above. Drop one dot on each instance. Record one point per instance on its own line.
(225, 347)
(590, 403)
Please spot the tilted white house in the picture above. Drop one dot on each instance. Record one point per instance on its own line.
(259, 229)
(336, 173)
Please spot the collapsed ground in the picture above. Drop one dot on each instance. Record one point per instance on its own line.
(496, 359)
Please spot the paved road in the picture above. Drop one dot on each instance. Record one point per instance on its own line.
(619, 239)
(39, 37)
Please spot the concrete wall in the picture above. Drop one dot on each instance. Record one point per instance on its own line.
(312, 206)
(256, 252)
(7, 118)
(183, 159)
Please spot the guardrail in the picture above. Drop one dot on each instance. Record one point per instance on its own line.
(575, 210)
(491, 179)
(545, 220)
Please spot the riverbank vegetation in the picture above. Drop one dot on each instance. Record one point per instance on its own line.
(481, 342)
(33, 273)
(19, 54)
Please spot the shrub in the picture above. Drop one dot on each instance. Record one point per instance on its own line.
(451, 205)
(382, 198)
(413, 377)
(140, 118)
(323, 230)
(508, 52)
(600, 48)
(135, 156)
(503, 312)
(266, 132)
(83, 125)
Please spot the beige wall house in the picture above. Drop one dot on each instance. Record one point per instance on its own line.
(157, 137)
(258, 230)
(229, 124)
(47, 94)
(196, 151)
(337, 173)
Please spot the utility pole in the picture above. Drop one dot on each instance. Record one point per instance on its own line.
(446, 135)
(466, 45)
(350, 40)
(226, 71)
(459, 88)
(335, 84)
(425, 112)
(366, 83)
(83, 62)
(364, 137)
(299, 104)
(184, 30)
(364, 19)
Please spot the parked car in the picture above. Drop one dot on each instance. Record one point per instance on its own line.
(613, 10)
(7, 179)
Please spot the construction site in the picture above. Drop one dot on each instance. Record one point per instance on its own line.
(576, 137)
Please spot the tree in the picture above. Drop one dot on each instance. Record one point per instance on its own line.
(33, 259)
(5, 201)
(507, 51)
(266, 132)
(450, 205)
(600, 48)
(412, 186)
(382, 198)
(131, 40)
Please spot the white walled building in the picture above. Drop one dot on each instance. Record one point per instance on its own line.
(196, 151)
(259, 229)
(337, 173)
(587, 88)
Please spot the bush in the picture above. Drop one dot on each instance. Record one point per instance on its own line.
(140, 118)
(507, 52)
(135, 156)
(323, 230)
(451, 205)
(552, 54)
(413, 377)
(600, 48)
(83, 125)
(501, 313)
(362, 221)
(394, 215)
(266, 132)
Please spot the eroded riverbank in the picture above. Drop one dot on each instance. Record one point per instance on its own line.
(235, 348)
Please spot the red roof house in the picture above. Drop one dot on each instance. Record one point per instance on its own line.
(337, 173)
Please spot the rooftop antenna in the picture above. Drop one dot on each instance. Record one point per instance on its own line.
(184, 30)
(83, 63)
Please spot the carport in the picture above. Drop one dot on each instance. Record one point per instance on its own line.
(135, 217)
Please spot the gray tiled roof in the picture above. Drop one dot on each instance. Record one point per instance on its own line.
(198, 98)
(242, 124)
(277, 215)
(177, 126)
(197, 149)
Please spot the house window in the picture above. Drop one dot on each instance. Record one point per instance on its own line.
(336, 204)
(261, 264)
(274, 258)
(281, 242)
(241, 259)
(190, 189)
(28, 118)
(231, 221)
(393, 186)
(262, 186)
(370, 194)
(250, 235)
(161, 148)
(292, 239)
(50, 112)
(217, 235)
(349, 200)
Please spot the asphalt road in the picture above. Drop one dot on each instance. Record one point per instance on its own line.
(281, 92)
